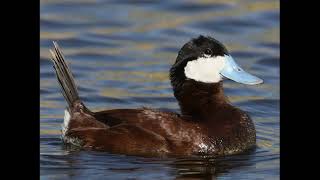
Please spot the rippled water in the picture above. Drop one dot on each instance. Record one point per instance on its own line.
(120, 53)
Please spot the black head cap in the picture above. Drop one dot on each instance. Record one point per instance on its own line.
(202, 46)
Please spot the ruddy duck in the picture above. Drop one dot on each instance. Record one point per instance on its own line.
(207, 124)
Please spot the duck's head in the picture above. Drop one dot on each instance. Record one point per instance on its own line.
(206, 60)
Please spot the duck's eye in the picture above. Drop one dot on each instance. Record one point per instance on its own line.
(208, 52)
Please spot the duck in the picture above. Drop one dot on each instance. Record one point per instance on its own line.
(207, 124)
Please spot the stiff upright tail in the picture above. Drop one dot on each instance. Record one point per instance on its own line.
(64, 76)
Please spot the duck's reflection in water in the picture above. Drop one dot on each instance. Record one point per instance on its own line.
(208, 167)
(80, 164)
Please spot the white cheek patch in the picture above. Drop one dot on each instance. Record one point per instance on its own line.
(205, 69)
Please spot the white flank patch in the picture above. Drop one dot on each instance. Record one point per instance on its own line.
(65, 126)
(205, 69)
(66, 122)
(203, 147)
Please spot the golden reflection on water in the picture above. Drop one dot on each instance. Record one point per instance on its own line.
(57, 35)
(133, 76)
(50, 131)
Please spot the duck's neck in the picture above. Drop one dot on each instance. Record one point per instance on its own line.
(200, 100)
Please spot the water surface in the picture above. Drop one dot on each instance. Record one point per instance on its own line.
(120, 53)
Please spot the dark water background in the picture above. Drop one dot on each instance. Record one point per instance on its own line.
(120, 53)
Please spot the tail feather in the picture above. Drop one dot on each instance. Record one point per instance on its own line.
(64, 76)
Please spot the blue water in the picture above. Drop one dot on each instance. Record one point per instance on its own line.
(120, 53)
